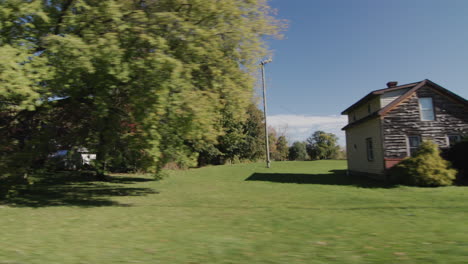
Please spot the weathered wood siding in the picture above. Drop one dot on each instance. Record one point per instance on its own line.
(356, 147)
(389, 97)
(362, 111)
(404, 120)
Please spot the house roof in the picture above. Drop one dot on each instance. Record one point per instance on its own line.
(376, 93)
(413, 88)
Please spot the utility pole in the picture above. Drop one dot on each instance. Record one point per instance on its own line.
(267, 146)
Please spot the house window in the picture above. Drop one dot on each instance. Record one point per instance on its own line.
(354, 117)
(453, 139)
(370, 149)
(368, 109)
(427, 109)
(413, 144)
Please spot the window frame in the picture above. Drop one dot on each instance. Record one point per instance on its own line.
(423, 110)
(412, 149)
(370, 149)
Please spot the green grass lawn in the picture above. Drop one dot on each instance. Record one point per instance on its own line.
(295, 212)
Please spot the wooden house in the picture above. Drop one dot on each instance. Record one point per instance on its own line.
(389, 124)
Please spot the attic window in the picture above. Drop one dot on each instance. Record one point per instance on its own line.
(354, 117)
(368, 108)
(427, 109)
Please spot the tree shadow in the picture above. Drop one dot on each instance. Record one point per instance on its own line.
(71, 177)
(127, 180)
(72, 189)
(335, 177)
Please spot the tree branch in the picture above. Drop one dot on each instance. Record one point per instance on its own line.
(65, 8)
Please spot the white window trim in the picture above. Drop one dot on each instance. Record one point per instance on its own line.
(421, 109)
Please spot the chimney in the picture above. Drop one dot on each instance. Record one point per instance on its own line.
(392, 84)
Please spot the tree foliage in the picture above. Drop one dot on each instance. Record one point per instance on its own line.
(282, 149)
(165, 79)
(278, 145)
(243, 140)
(425, 168)
(322, 145)
(254, 129)
(298, 151)
(272, 139)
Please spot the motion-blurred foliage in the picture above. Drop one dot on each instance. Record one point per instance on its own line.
(160, 81)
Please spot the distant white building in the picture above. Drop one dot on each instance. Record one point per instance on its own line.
(82, 157)
(86, 156)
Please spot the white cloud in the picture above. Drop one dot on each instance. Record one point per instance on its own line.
(300, 127)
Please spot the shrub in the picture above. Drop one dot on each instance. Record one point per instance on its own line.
(425, 168)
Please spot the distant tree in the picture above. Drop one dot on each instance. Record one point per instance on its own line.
(272, 139)
(341, 155)
(231, 143)
(322, 145)
(243, 140)
(254, 143)
(282, 149)
(298, 151)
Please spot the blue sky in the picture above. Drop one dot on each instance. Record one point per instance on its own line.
(336, 51)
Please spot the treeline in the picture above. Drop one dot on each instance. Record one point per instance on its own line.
(143, 84)
(320, 145)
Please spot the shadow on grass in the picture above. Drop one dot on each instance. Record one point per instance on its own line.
(335, 177)
(72, 189)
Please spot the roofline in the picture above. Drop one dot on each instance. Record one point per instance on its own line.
(434, 85)
(449, 93)
(377, 92)
(362, 120)
(396, 102)
(381, 91)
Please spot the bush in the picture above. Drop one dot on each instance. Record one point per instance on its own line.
(298, 151)
(458, 156)
(425, 168)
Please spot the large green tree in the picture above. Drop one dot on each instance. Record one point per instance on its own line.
(159, 75)
(322, 145)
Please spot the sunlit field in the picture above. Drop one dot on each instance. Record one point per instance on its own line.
(295, 212)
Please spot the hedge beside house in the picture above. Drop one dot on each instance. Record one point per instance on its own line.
(425, 168)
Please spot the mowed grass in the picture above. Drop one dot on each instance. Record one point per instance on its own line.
(295, 212)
